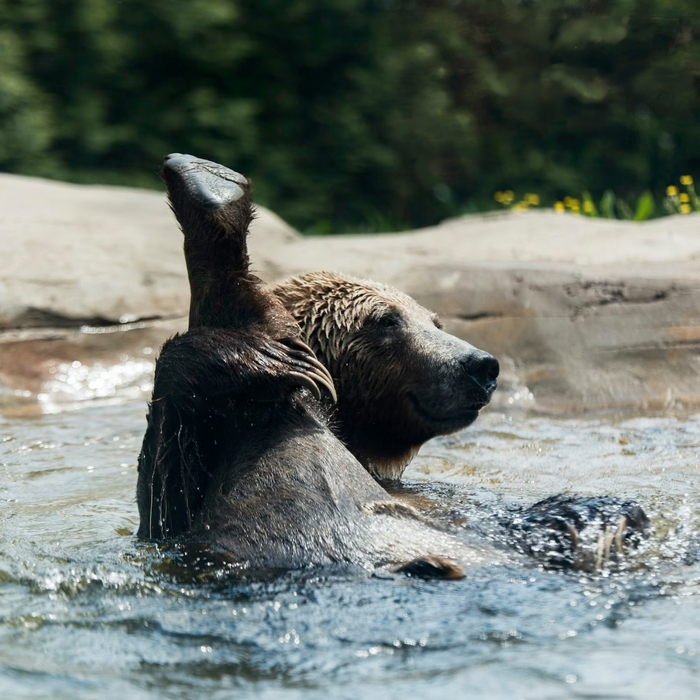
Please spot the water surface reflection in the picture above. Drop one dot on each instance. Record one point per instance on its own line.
(87, 611)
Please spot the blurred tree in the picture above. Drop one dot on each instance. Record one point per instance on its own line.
(357, 114)
(26, 129)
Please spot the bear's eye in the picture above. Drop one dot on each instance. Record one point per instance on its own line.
(390, 320)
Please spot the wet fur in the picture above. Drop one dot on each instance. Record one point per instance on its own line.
(378, 370)
(239, 458)
(373, 418)
(238, 455)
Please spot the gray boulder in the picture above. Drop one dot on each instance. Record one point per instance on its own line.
(583, 313)
(73, 253)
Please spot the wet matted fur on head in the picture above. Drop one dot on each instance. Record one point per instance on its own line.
(401, 379)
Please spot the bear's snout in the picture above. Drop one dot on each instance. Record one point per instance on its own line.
(481, 367)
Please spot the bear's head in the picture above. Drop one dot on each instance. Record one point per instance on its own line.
(401, 379)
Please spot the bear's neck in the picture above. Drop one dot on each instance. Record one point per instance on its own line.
(376, 447)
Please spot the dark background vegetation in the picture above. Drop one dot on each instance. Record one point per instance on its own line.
(357, 114)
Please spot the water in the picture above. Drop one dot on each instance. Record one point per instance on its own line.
(86, 611)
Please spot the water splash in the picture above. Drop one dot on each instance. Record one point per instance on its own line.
(88, 611)
(73, 383)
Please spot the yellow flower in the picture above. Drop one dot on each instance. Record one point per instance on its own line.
(575, 204)
(671, 191)
(567, 201)
(684, 198)
(588, 207)
(508, 196)
(559, 207)
(686, 180)
(498, 197)
(685, 209)
(532, 199)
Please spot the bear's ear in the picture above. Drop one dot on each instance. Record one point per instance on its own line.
(436, 321)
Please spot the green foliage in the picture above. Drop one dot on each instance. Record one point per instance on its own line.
(677, 202)
(624, 210)
(25, 117)
(589, 207)
(610, 205)
(607, 204)
(645, 207)
(360, 114)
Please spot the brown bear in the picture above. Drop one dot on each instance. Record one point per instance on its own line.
(401, 379)
(238, 454)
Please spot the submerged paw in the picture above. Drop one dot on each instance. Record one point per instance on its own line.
(584, 533)
(431, 566)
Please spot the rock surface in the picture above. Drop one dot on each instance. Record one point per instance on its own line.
(583, 313)
(76, 253)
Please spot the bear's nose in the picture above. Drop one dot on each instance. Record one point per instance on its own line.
(482, 367)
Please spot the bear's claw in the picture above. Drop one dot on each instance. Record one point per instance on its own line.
(308, 383)
(307, 370)
(322, 374)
